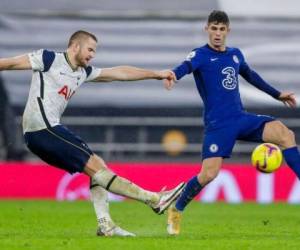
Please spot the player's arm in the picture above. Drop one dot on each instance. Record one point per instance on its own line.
(129, 73)
(256, 80)
(288, 98)
(190, 64)
(15, 63)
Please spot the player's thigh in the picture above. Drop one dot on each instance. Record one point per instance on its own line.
(276, 132)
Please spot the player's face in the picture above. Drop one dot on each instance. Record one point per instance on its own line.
(86, 52)
(217, 33)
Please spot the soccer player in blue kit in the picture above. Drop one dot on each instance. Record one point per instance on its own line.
(215, 68)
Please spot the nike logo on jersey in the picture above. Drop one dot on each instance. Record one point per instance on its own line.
(213, 59)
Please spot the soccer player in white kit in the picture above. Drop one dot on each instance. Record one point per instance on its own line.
(55, 79)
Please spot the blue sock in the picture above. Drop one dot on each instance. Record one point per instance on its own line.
(192, 188)
(292, 158)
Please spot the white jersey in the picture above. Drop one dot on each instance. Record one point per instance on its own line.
(53, 83)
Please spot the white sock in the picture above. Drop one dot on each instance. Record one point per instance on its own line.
(99, 197)
(119, 185)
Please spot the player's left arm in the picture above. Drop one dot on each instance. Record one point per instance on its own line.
(129, 73)
(288, 98)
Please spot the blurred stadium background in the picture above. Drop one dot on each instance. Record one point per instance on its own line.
(142, 122)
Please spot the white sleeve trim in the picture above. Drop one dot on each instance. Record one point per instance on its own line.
(36, 60)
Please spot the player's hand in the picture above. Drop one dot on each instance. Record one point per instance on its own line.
(170, 80)
(163, 74)
(288, 98)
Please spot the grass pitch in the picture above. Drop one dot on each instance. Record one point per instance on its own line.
(72, 225)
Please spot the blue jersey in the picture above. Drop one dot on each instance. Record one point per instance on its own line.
(216, 76)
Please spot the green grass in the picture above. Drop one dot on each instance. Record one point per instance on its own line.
(71, 225)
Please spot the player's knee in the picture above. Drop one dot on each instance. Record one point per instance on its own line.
(288, 139)
(97, 160)
(286, 136)
(281, 135)
(99, 172)
(94, 164)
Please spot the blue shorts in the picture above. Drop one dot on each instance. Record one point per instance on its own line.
(246, 126)
(59, 147)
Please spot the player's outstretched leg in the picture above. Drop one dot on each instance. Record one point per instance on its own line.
(104, 177)
(106, 226)
(292, 158)
(276, 132)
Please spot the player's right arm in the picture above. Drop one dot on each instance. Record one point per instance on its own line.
(189, 65)
(15, 63)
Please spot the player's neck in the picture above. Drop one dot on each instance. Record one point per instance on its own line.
(217, 48)
(71, 60)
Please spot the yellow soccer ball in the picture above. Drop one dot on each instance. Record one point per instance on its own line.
(266, 157)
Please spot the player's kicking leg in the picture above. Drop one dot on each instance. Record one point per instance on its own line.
(72, 154)
(106, 226)
(159, 202)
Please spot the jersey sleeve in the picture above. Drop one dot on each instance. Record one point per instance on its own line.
(36, 60)
(255, 79)
(41, 60)
(190, 64)
(92, 73)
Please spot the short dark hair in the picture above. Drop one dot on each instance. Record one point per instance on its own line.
(80, 34)
(218, 16)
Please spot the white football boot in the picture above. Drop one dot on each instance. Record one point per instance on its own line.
(167, 197)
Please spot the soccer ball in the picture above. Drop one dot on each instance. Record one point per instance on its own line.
(266, 157)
